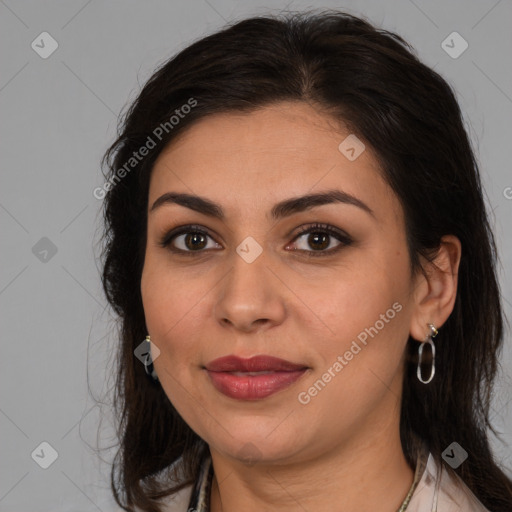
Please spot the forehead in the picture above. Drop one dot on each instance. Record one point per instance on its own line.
(282, 150)
(289, 129)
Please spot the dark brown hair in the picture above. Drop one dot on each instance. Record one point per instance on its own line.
(370, 80)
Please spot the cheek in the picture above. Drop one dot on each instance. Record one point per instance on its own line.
(358, 362)
(166, 294)
(358, 298)
(173, 308)
(368, 304)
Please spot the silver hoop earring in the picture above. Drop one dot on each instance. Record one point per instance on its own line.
(433, 333)
(148, 361)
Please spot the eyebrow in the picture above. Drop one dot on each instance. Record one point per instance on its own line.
(280, 210)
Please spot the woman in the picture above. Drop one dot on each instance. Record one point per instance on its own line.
(298, 249)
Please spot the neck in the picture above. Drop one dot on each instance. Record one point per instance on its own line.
(368, 473)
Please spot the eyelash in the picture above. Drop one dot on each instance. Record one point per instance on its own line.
(314, 228)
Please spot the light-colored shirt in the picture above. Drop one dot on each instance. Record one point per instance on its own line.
(433, 490)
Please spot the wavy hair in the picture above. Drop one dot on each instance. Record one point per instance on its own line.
(370, 80)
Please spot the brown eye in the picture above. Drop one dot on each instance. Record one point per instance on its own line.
(318, 241)
(319, 238)
(194, 241)
(187, 240)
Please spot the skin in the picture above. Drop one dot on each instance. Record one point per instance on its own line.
(342, 449)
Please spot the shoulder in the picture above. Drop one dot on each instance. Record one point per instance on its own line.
(179, 502)
(442, 492)
(193, 497)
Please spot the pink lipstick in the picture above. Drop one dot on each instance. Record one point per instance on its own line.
(253, 378)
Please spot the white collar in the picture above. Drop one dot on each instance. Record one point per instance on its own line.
(438, 491)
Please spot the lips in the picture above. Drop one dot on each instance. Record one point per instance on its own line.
(254, 378)
(254, 364)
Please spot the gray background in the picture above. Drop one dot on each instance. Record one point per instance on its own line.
(59, 115)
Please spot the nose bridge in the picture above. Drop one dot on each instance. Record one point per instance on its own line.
(249, 293)
(249, 274)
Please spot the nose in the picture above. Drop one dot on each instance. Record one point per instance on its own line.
(251, 297)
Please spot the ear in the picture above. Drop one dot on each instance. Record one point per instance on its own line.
(434, 295)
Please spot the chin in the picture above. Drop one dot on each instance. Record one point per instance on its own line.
(261, 446)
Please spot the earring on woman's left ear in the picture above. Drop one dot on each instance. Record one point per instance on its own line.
(430, 336)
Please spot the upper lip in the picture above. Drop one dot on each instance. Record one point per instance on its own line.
(253, 364)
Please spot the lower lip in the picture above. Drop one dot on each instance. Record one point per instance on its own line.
(253, 387)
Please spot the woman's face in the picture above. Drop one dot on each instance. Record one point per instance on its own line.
(338, 304)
